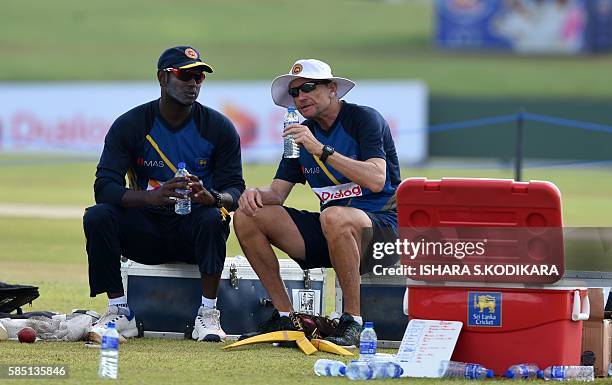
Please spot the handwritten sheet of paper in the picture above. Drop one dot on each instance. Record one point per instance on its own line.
(425, 344)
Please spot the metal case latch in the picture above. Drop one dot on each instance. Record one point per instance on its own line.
(307, 281)
(234, 276)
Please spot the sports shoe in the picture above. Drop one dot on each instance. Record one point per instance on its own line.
(3, 333)
(124, 320)
(207, 326)
(275, 323)
(347, 333)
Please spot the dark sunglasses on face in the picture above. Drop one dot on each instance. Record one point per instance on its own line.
(186, 75)
(307, 87)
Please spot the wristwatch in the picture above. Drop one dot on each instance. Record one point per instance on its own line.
(217, 195)
(327, 151)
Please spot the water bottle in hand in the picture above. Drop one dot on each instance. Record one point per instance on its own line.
(567, 373)
(453, 369)
(329, 368)
(182, 205)
(359, 370)
(522, 372)
(109, 353)
(290, 148)
(367, 342)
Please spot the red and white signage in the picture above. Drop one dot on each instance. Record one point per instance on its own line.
(74, 117)
(341, 191)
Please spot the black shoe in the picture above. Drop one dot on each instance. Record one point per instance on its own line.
(347, 333)
(275, 323)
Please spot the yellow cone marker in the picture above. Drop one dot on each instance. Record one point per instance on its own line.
(269, 337)
(305, 346)
(330, 347)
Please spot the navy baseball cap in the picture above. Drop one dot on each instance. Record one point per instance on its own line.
(182, 57)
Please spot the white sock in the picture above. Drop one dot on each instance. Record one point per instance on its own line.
(208, 303)
(358, 319)
(119, 301)
(284, 313)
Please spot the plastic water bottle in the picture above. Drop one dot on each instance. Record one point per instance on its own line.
(567, 373)
(182, 205)
(290, 148)
(523, 372)
(359, 370)
(109, 353)
(367, 342)
(381, 369)
(453, 369)
(329, 368)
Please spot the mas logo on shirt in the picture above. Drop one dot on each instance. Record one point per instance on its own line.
(342, 191)
(311, 170)
(150, 163)
(200, 164)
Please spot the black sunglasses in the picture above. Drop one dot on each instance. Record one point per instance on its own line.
(307, 87)
(186, 75)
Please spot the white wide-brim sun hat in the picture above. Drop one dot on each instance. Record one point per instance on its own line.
(308, 69)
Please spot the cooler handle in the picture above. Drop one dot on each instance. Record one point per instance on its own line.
(578, 313)
(405, 302)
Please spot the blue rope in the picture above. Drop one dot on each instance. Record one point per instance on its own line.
(473, 123)
(520, 115)
(567, 122)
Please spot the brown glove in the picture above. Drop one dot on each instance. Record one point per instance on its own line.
(314, 326)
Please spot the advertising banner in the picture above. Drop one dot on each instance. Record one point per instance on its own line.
(525, 26)
(75, 117)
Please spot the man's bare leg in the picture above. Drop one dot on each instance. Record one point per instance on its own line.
(271, 226)
(342, 227)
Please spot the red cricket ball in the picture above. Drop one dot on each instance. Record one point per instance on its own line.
(27, 335)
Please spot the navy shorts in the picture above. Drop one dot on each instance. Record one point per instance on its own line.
(309, 226)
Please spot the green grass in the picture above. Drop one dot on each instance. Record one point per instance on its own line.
(184, 362)
(50, 253)
(69, 181)
(115, 40)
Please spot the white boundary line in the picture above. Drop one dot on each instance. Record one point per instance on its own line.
(32, 210)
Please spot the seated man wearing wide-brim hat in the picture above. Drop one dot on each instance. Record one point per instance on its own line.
(348, 158)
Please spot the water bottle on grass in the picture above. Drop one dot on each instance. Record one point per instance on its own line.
(522, 372)
(567, 373)
(367, 342)
(453, 369)
(359, 370)
(109, 353)
(329, 368)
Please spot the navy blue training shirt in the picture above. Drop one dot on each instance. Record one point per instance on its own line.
(207, 142)
(359, 133)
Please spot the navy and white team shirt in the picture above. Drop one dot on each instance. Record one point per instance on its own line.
(359, 133)
(206, 141)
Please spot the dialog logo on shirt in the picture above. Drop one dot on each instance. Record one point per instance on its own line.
(342, 191)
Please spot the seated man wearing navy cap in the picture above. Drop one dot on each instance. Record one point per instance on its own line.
(348, 158)
(139, 222)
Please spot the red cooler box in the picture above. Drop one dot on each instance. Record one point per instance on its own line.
(506, 326)
(506, 319)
